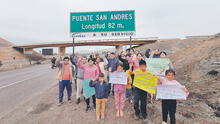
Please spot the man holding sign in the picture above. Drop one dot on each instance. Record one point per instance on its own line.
(144, 82)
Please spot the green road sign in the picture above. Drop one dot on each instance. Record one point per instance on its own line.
(108, 21)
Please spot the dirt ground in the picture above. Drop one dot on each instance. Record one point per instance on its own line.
(192, 58)
(43, 109)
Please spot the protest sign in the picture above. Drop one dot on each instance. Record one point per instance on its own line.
(87, 90)
(118, 78)
(145, 81)
(170, 92)
(154, 65)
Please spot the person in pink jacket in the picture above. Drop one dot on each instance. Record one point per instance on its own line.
(136, 58)
(119, 93)
(90, 72)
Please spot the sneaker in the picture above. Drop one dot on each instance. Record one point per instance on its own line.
(87, 108)
(60, 103)
(136, 117)
(70, 101)
(147, 121)
(164, 122)
(78, 101)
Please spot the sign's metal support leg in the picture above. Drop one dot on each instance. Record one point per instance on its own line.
(130, 42)
(73, 45)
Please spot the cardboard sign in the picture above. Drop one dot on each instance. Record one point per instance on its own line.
(154, 65)
(118, 78)
(170, 92)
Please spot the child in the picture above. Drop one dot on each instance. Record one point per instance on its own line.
(128, 86)
(169, 106)
(119, 93)
(101, 94)
(140, 95)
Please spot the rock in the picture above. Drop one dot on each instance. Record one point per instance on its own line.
(218, 108)
(214, 105)
(189, 115)
(213, 73)
(217, 113)
(30, 109)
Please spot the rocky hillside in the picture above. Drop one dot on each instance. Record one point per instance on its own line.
(11, 58)
(196, 63)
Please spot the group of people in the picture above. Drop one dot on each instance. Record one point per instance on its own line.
(97, 69)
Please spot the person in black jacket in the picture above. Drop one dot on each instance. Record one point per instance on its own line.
(101, 94)
(147, 53)
(156, 53)
(125, 61)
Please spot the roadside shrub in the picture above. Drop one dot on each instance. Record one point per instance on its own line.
(1, 63)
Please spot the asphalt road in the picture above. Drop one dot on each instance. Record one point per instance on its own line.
(18, 86)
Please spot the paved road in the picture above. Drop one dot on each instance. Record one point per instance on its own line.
(17, 86)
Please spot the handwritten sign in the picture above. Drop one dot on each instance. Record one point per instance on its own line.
(154, 65)
(87, 90)
(145, 81)
(170, 92)
(118, 78)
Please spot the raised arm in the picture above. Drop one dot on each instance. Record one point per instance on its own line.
(121, 59)
(79, 64)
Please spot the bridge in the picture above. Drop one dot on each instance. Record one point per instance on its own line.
(118, 43)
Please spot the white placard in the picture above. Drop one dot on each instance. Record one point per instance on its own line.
(170, 92)
(118, 78)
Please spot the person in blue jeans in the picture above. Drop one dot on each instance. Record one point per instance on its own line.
(65, 78)
(62, 85)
